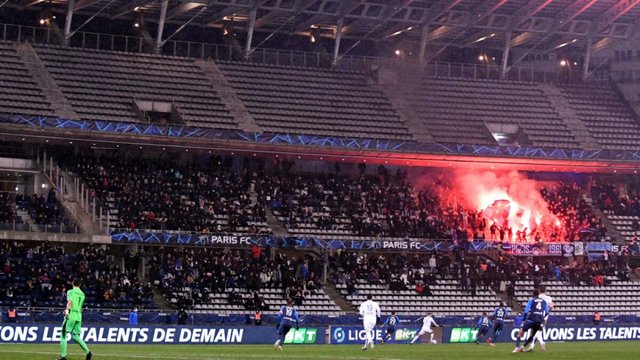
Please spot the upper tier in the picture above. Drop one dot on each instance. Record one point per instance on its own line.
(103, 85)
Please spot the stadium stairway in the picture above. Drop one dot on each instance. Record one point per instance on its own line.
(70, 201)
(52, 92)
(337, 298)
(275, 225)
(229, 96)
(612, 229)
(571, 119)
(388, 85)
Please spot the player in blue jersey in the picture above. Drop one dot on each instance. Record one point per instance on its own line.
(391, 323)
(483, 326)
(534, 314)
(287, 318)
(499, 314)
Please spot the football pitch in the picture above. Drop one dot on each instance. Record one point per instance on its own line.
(578, 351)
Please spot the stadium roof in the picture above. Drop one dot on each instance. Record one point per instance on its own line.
(540, 24)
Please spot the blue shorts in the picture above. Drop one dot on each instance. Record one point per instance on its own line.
(497, 327)
(483, 331)
(391, 331)
(283, 329)
(531, 325)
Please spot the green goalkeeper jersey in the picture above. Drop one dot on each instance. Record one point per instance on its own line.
(76, 296)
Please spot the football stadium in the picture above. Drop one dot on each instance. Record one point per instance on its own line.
(319, 179)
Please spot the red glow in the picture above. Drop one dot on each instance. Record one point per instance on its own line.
(507, 199)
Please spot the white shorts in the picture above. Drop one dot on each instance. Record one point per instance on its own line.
(425, 331)
(369, 324)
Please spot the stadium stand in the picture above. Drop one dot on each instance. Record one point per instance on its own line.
(314, 101)
(578, 287)
(103, 85)
(171, 195)
(457, 110)
(40, 209)
(8, 213)
(567, 201)
(606, 114)
(384, 206)
(221, 282)
(344, 206)
(623, 210)
(19, 93)
(616, 298)
(415, 284)
(37, 274)
(33, 212)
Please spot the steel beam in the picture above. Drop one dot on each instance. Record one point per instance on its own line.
(336, 46)
(564, 17)
(252, 24)
(183, 8)
(530, 9)
(587, 59)
(129, 7)
(67, 22)
(163, 16)
(220, 15)
(481, 11)
(612, 14)
(26, 3)
(505, 53)
(423, 45)
(82, 4)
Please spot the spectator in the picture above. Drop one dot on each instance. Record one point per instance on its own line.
(133, 317)
(258, 318)
(517, 322)
(182, 316)
(596, 318)
(12, 314)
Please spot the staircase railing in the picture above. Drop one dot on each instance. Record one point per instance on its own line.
(78, 191)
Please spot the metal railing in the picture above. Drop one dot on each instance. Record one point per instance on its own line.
(77, 191)
(40, 228)
(221, 52)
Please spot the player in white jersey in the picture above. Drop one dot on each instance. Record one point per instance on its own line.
(370, 312)
(427, 321)
(539, 334)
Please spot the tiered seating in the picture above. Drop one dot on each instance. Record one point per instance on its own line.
(455, 111)
(447, 299)
(37, 274)
(624, 224)
(606, 115)
(618, 298)
(19, 93)
(344, 207)
(314, 101)
(103, 85)
(318, 302)
(167, 195)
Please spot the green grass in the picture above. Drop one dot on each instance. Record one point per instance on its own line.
(579, 351)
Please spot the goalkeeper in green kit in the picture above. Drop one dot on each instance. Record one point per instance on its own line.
(73, 321)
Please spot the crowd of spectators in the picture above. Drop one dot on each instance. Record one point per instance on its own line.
(398, 271)
(210, 197)
(580, 223)
(499, 272)
(381, 205)
(7, 208)
(619, 199)
(367, 205)
(38, 274)
(41, 209)
(239, 274)
(201, 196)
